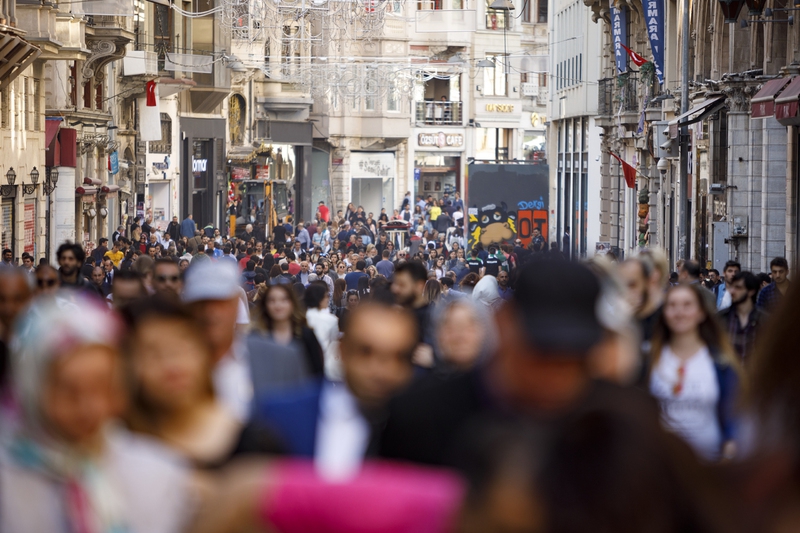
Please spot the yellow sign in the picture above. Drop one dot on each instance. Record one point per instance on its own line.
(537, 120)
(500, 108)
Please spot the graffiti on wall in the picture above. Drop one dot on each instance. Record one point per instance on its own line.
(492, 224)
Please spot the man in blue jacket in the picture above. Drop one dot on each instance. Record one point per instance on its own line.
(188, 227)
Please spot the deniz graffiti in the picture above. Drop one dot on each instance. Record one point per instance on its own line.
(492, 224)
(495, 187)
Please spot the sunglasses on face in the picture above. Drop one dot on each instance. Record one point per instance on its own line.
(172, 279)
(42, 283)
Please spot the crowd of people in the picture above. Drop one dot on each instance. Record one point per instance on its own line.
(340, 377)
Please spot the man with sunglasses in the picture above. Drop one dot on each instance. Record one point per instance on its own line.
(167, 279)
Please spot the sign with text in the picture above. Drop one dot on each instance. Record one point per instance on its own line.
(619, 36)
(372, 164)
(500, 108)
(441, 140)
(654, 20)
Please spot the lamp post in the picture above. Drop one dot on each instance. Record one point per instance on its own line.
(10, 191)
(685, 215)
(51, 178)
(506, 7)
(28, 190)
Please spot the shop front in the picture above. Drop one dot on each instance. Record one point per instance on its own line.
(534, 147)
(373, 181)
(203, 181)
(437, 162)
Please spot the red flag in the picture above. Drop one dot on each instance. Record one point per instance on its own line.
(628, 170)
(636, 58)
(151, 93)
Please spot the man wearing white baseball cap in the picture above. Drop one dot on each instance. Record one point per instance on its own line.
(212, 292)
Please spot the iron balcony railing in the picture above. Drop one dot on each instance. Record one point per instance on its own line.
(439, 113)
(605, 95)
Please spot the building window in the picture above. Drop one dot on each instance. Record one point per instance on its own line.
(37, 105)
(393, 98)
(164, 146)
(4, 105)
(494, 79)
(497, 19)
(541, 15)
(162, 32)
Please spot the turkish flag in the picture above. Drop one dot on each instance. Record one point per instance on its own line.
(628, 170)
(636, 58)
(151, 94)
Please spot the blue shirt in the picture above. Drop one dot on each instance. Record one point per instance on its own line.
(352, 280)
(385, 268)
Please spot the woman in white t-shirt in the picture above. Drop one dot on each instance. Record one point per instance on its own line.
(694, 374)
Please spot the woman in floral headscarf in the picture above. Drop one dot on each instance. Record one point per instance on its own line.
(67, 468)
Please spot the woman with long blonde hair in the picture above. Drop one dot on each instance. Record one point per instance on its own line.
(694, 373)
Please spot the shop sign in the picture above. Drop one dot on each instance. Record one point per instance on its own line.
(372, 164)
(441, 140)
(500, 108)
(240, 173)
(262, 172)
(199, 165)
(113, 162)
(30, 226)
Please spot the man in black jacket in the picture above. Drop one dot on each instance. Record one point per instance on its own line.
(174, 229)
(540, 369)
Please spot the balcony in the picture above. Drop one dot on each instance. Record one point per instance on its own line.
(619, 98)
(536, 92)
(605, 97)
(438, 113)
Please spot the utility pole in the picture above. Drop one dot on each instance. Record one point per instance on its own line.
(685, 216)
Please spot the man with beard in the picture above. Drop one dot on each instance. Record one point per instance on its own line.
(70, 258)
(99, 282)
(743, 319)
(408, 285)
(167, 279)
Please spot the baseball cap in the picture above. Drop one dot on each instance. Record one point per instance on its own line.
(557, 303)
(210, 280)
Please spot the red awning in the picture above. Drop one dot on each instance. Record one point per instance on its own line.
(786, 104)
(763, 103)
(51, 126)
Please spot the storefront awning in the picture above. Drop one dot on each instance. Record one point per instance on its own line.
(85, 191)
(763, 103)
(51, 125)
(15, 55)
(700, 112)
(786, 104)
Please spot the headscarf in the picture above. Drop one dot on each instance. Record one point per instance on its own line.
(46, 332)
(487, 293)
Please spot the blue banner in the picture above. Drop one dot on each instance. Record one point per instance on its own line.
(113, 162)
(619, 37)
(654, 18)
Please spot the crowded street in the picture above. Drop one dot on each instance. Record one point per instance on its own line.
(394, 266)
(227, 384)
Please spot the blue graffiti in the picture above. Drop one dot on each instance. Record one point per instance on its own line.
(535, 204)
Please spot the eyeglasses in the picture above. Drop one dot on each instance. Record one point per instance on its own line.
(171, 279)
(42, 283)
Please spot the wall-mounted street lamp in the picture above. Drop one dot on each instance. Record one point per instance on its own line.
(29, 190)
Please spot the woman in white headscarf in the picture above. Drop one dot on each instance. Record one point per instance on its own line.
(487, 293)
(67, 467)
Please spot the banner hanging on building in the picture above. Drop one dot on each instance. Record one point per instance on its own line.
(619, 36)
(654, 18)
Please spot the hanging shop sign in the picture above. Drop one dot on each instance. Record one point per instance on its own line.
(619, 36)
(654, 18)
